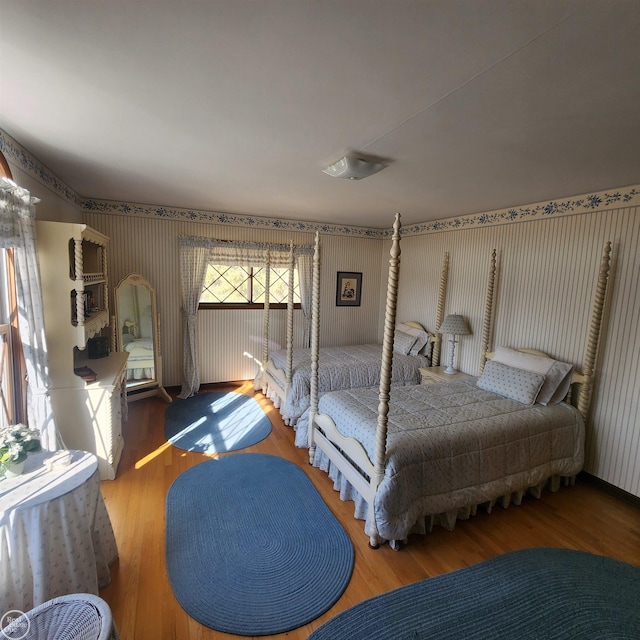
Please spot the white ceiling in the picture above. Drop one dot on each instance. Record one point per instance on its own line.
(235, 105)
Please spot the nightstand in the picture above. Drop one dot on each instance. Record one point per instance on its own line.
(432, 375)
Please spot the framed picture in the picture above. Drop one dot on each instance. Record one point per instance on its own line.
(348, 289)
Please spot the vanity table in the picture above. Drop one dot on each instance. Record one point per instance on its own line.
(55, 534)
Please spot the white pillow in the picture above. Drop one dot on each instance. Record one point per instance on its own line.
(402, 342)
(557, 374)
(422, 337)
(516, 384)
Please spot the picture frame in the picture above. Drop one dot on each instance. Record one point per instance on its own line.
(348, 289)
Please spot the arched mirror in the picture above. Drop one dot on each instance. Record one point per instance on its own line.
(136, 328)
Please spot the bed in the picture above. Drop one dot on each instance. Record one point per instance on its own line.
(346, 367)
(140, 363)
(286, 377)
(417, 456)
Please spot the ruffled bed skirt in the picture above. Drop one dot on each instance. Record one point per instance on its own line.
(425, 523)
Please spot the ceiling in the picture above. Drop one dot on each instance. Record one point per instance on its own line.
(236, 105)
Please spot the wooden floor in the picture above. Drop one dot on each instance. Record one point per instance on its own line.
(144, 608)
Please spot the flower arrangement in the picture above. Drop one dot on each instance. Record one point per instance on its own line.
(16, 441)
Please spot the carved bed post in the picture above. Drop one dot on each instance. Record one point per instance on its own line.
(288, 373)
(442, 291)
(487, 323)
(315, 346)
(265, 322)
(591, 351)
(385, 369)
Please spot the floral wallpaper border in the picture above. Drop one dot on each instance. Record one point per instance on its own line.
(620, 197)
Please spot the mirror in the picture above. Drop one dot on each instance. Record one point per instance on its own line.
(136, 327)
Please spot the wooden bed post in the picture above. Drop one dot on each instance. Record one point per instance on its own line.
(442, 291)
(265, 322)
(288, 373)
(591, 351)
(385, 370)
(315, 346)
(487, 323)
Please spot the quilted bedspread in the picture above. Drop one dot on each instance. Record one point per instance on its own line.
(453, 445)
(348, 367)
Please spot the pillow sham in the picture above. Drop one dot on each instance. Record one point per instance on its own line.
(422, 337)
(557, 374)
(509, 382)
(402, 342)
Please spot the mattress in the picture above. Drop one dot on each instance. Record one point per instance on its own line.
(453, 445)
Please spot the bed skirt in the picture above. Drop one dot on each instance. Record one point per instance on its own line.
(446, 519)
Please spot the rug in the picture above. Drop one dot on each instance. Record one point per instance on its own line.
(251, 547)
(216, 422)
(529, 594)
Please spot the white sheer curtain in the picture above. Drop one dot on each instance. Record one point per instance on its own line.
(17, 231)
(195, 254)
(194, 258)
(304, 262)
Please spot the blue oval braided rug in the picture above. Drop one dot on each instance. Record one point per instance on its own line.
(532, 594)
(216, 422)
(251, 547)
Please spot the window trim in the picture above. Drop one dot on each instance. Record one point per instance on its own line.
(235, 306)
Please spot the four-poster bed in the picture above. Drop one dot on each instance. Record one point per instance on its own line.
(286, 373)
(412, 457)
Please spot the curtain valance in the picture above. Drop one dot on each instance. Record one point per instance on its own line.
(248, 254)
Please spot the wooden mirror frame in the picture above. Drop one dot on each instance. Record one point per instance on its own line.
(147, 386)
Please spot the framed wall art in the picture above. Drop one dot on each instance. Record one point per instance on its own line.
(348, 289)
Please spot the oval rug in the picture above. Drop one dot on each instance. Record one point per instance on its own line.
(216, 422)
(251, 547)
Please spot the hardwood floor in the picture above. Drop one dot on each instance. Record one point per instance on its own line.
(581, 517)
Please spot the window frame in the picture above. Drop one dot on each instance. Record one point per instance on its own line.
(14, 374)
(235, 306)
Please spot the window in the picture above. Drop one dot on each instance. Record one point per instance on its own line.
(236, 286)
(12, 391)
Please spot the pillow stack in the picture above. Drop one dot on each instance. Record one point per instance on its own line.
(526, 377)
(409, 340)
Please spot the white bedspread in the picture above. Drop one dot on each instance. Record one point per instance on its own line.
(349, 367)
(452, 446)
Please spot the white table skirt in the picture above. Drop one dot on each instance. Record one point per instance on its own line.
(55, 534)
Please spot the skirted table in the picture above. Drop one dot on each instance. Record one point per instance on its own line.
(55, 534)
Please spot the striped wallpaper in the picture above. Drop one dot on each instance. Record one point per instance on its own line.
(546, 278)
(548, 258)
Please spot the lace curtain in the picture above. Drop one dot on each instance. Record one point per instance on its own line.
(17, 231)
(196, 253)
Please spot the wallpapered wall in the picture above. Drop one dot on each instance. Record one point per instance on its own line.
(548, 258)
(547, 271)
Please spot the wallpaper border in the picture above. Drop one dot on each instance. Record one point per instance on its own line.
(584, 203)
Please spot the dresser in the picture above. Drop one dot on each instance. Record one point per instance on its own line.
(75, 290)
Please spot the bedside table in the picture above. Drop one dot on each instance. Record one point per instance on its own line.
(433, 375)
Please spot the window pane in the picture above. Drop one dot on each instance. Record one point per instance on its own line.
(278, 286)
(233, 285)
(226, 284)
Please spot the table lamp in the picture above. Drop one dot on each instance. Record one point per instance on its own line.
(455, 325)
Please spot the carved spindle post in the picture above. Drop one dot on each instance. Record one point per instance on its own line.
(595, 325)
(77, 255)
(315, 346)
(265, 322)
(289, 371)
(387, 355)
(442, 291)
(487, 328)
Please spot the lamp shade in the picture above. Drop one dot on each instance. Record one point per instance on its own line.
(455, 325)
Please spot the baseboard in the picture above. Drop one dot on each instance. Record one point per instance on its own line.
(610, 488)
